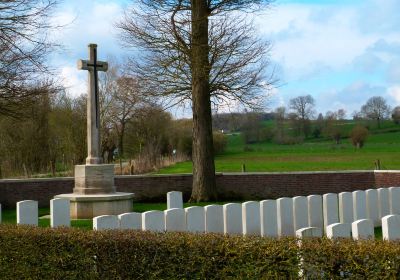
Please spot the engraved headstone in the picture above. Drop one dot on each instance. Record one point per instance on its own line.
(346, 207)
(233, 218)
(153, 221)
(174, 200)
(251, 218)
(315, 217)
(214, 219)
(391, 227)
(195, 219)
(269, 223)
(330, 208)
(362, 229)
(284, 207)
(373, 206)
(337, 230)
(59, 212)
(130, 221)
(27, 212)
(359, 205)
(175, 219)
(300, 212)
(105, 222)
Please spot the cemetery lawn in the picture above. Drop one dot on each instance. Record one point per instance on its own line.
(312, 155)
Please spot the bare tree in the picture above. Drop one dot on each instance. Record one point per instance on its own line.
(376, 108)
(120, 98)
(303, 107)
(204, 52)
(24, 45)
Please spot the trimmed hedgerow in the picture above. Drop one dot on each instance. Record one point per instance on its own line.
(39, 253)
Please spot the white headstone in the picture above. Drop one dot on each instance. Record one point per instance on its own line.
(59, 213)
(391, 227)
(233, 218)
(130, 221)
(214, 218)
(300, 212)
(251, 218)
(27, 212)
(337, 230)
(362, 229)
(105, 222)
(153, 221)
(346, 207)
(394, 194)
(269, 223)
(284, 207)
(359, 205)
(175, 219)
(330, 208)
(174, 200)
(309, 232)
(195, 219)
(384, 202)
(373, 206)
(315, 217)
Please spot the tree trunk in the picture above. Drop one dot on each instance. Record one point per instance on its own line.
(204, 186)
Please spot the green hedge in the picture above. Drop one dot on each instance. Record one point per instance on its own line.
(40, 253)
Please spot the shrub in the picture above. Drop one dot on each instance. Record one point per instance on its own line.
(358, 136)
(43, 253)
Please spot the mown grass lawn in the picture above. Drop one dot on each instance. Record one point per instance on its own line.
(312, 155)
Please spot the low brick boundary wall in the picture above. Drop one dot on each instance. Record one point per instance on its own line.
(230, 186)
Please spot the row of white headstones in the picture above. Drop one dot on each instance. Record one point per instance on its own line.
(337, 215)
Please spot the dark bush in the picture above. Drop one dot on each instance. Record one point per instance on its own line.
(38, 253)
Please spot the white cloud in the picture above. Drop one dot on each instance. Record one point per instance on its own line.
(394, 92)
(73, 80)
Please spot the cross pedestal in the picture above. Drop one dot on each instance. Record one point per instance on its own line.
(94, 192)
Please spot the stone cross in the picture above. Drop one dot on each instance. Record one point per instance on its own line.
(93, 111)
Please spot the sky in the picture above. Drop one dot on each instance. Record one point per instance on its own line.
(341, 52)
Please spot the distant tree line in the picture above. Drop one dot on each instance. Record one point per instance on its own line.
(299, 121)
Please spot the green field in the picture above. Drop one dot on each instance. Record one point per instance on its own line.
(312, 155)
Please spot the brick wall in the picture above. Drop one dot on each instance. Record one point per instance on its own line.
(231, 186)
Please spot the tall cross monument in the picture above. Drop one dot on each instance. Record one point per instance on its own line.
(94, 193)
(93, 111)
